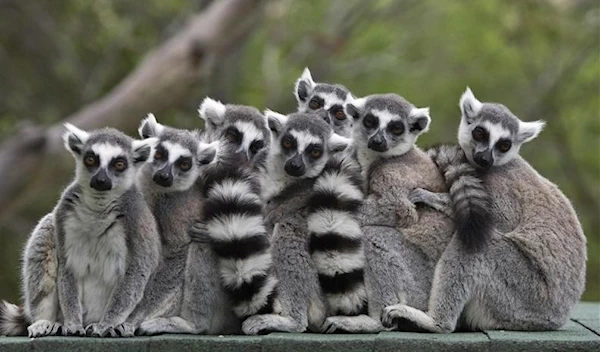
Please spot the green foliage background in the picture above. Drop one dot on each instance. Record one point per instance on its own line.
(540, 58)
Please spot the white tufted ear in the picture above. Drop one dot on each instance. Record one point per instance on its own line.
(207, 152)
(212, 111)
(149, 127)
(143, 149)
(419, 120)
(355, 107)
(304, 85)
(338, 143)
(529, 130)
(74, 138)
(469, 105)
(275, 121)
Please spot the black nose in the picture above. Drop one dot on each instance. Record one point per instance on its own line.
(100, 183)
(295, 166)
(163, 178)
(484, 159)
(378, 144)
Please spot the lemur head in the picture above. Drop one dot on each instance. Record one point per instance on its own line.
(179, 156)
(302, 143)
(387, 123)
(107, 159)
(490, 134)
(242, 129)
(331, 98)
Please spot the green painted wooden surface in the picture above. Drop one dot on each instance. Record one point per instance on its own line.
(581, 333)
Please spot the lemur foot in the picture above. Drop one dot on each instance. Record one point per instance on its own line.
(267, 323)
(44, 328)
(102, 330)
(361, 324)
(73, 330)
(405, 318)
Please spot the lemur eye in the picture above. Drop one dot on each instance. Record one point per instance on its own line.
(479, 134)
(89, 161)
(233, 136)
(286, 143)
(369, 121)
(314, 104)
(120, 165)
(185, 165)
(340, 115)
(504, 146)
(397, 129)
(256, 146)
(316, 153)
(158, 156)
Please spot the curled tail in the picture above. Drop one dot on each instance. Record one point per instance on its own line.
(13, 321)
(470, 200)
(234, 224)
(336, 238)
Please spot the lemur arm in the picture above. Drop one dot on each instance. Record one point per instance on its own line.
(438, 201)
(143, 248)
(68, 293)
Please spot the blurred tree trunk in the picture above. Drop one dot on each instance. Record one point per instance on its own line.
(161, 80)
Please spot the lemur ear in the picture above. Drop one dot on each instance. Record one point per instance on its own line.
(338, 143)
(74, 139)
(529, 130)
(419, 120)
(355, 107)
(207, 153)
(212, 112)
(469, 105)
(275, 121)
(304, 86)
(143, 149)
(150, 127)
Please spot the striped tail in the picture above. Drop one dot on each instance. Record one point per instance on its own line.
(13, 321)
(471, 202)
(336, 238)
(234, 222)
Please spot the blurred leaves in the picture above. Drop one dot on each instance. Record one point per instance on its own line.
(541, 58)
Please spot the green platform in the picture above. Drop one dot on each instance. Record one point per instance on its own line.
(581, 333)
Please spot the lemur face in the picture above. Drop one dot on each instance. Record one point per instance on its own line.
(301, 143)
(107, 160)
(242, 129)
(490, 134)
(179, 156)
(387, 123)
(328, 98)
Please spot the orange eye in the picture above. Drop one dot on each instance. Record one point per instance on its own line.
(314, 104)
(89, 161)
(286, 144)
(340, 115)
(504, 146)
(315, 153)
(185, 166)
(120, 165)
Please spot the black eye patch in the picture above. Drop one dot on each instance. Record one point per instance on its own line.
(119, 163)
(91, 160)
(370, 121)
(256, 146)
(316, 103)
(396, 128)
(161, 153)
(184, 163)
(314, 150)
(233, 135)
(288, 143)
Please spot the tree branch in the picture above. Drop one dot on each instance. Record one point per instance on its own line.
(161, 80)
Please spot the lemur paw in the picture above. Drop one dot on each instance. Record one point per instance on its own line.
(125, 330)
(419, 195)
(148, 328)
(44, 328)
(199, 233)
(404, 318)
(335, 325)
(73, 330)
(261, 324)
(100, 330)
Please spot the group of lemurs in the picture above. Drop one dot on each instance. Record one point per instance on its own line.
(328, 219)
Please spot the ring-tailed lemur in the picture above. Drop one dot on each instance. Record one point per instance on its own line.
(330, 98)
(402, 242)
(105, 242)
(532, 273)
(316, 240)
(181, 297)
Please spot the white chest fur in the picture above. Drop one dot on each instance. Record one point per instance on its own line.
(96, 252)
